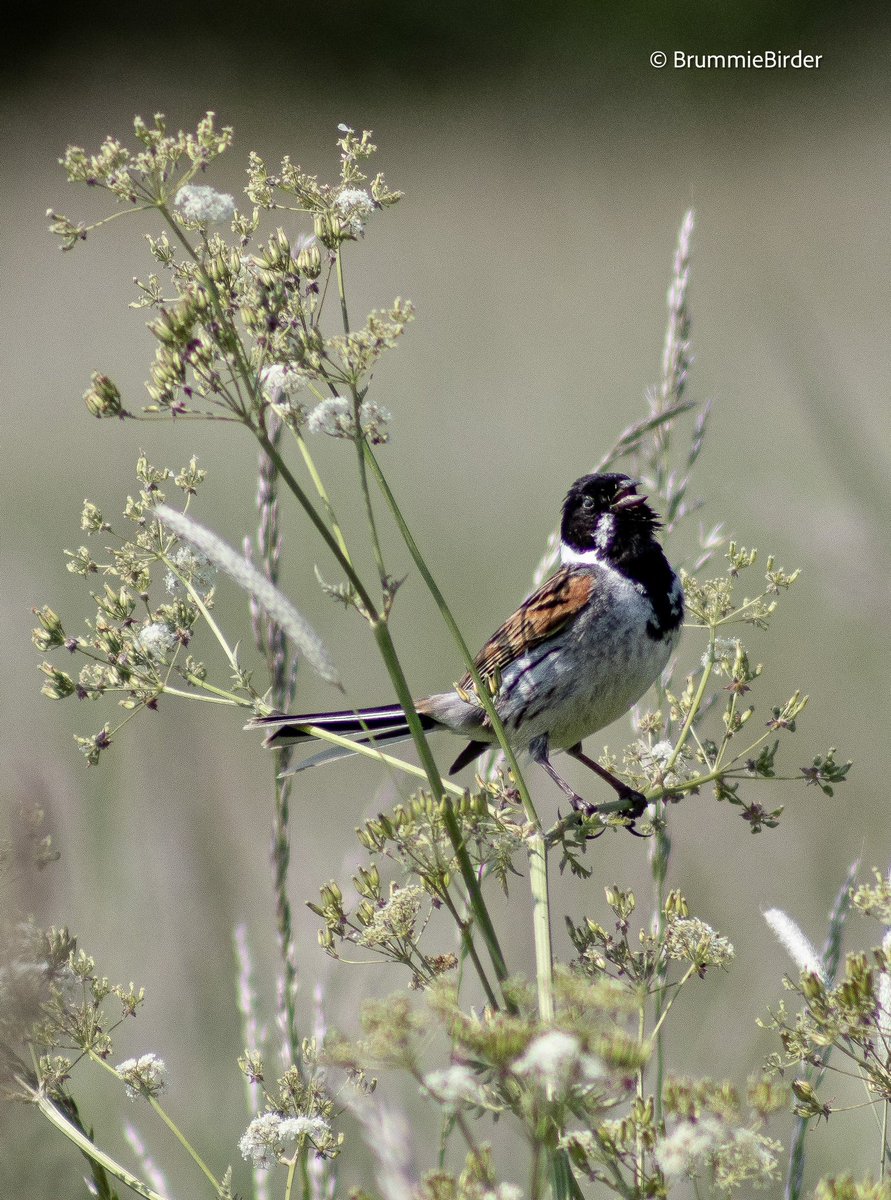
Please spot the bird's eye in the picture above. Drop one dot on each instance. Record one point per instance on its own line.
(588, 503)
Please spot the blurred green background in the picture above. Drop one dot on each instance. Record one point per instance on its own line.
(547, 167)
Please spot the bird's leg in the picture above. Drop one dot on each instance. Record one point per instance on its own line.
(538, 749)
(636, 801)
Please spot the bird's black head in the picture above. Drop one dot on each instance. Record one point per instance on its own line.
(604, 516)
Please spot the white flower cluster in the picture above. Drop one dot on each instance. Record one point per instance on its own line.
(455, 1085)
(691, 939)
(686, 1150)
(395, 919)
(334, 416)
(355, 204)
(733, 1155)
(199, 571)
(263, 1142)
(286, 378)
(144, 1076)
(555, 1061)
(157, 641)
(724, 656)
(204, 205)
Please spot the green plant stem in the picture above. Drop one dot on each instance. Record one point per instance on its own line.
(359, 440)
(90, 1150)
(322, 492)
(657, 1028)
(184, 1142)
(453, 829)
(394, 668)
(660, 855)
(469, 946)
(289, 1184)
(538, 875)
(327, 536)
(168, 1121)
(638, 1138)
(695, 706)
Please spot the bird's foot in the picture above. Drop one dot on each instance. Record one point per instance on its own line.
(636, 807)
(585, 809)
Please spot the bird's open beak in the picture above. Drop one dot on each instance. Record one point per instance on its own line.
(627, 497)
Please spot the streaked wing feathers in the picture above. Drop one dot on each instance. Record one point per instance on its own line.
(539, 617)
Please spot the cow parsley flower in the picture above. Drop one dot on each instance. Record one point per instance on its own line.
(263, 1142)
(453, 1085)
(552, 1058)
(691, 939)
(355, 200)
(286, 378)
(204, 205)
(157, 641)
(197, 569)
(144, 1076)
(334, 417)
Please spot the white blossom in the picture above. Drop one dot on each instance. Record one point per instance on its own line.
(687, 1148)
(285, 378)
(144, 1076)
(455, 1083)
(551, 1058)
(694, 940)
(335, 417)
(794, 941)
(157, 641)
(197, 569)
(885, 992)
(263, 1142)
(204, 205)
(356, 200)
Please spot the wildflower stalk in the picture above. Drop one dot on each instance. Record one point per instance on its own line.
(314, 475)
(537, 845)
(167, 1119)
(403, 694)
(90, 1150)
(270, 639)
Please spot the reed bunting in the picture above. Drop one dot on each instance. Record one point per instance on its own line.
(574, 656)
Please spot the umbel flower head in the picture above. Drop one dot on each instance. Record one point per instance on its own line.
(265, 1140)
(199, 205)
(143, 1076)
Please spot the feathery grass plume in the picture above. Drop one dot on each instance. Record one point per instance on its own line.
(790, 936)
(388, 1136)
(829, 960)
(272, 643)
(151, 1172)
(273, 602)
(252, 1035)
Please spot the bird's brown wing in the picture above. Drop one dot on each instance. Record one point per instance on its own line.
(539, 617)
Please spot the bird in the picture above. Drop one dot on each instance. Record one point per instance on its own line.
(577, 654)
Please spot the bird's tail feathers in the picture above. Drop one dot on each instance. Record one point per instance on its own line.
(367, 726)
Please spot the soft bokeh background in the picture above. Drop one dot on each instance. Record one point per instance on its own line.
(547, 167)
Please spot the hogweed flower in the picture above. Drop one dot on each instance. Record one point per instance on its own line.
(686, 1149)
(143, 1076)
